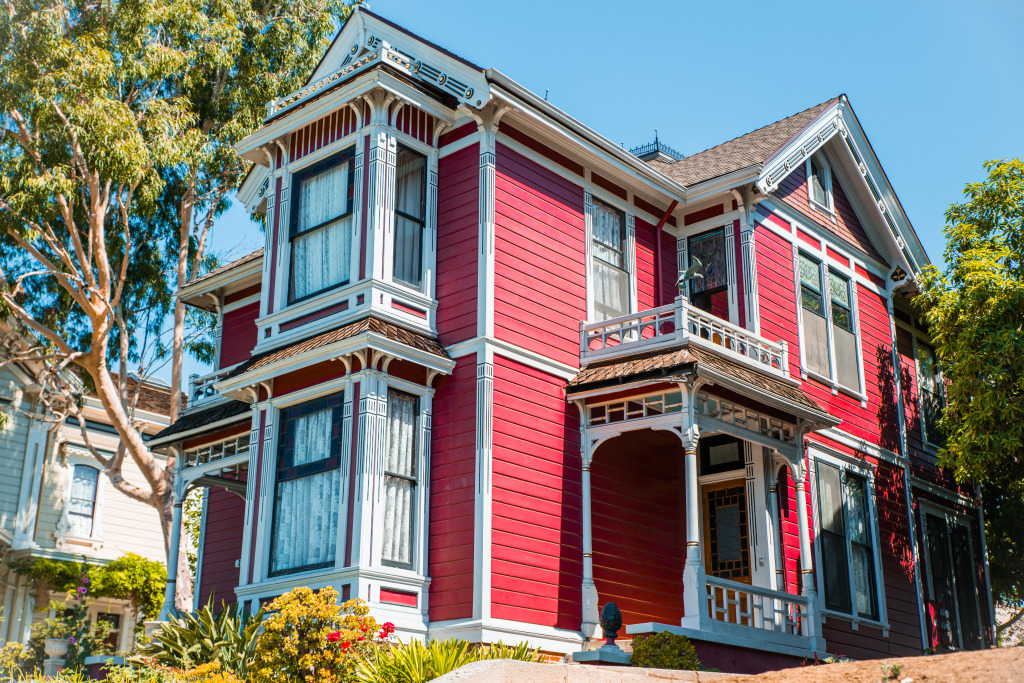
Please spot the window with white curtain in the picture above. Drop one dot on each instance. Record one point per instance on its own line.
(321, 226)
(307, 496)
(400, 480)
(82, 501)
(609, 270)
(847, 541)
(410, 216)
(819, 180)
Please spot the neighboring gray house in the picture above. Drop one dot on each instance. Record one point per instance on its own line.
(56, 502)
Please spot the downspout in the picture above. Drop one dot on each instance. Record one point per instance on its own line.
(657, 251)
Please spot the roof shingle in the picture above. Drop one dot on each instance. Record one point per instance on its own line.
(752, 149)
(208, 416)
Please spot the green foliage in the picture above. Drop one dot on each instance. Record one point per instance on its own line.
(72, 624)
(191, 522)
(891, 672)
(14, 659)
(665, 650)
(309, 638)
(415, 662)
(130, 577)
(203, 638)
(975, 310)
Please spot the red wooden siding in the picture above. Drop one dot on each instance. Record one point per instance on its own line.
(452, 493)
(528, 141)
(536, 565)
(415, 123)
(323, 132)
(456, 134)
(793, 191)
(540, 274)
(238, 337)
(646, 264)
(222, 546)
(638, 518)
(775, 285)
(458, 187)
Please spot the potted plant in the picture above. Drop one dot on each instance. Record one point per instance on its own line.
(55, 632)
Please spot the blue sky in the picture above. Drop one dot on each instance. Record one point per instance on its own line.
(937, 85)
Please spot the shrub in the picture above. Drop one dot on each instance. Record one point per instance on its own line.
(14, 659)
(205, 638)
(665, 651)
(309, 638)
(154, 673)
(415, 662)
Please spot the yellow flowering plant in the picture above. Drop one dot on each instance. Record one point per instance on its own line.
(308, 637)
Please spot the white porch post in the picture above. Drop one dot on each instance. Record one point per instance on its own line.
(694, 588)
(807, 588)
(590, 610)
(168, 608)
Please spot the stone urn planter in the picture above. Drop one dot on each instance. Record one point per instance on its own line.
(56, 650)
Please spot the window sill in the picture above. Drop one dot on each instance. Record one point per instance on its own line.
(821, 208)
(64, 541)
(856, 622)
(835, 387)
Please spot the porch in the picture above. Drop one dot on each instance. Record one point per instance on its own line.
(696, 422)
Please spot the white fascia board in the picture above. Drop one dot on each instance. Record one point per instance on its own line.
(374, 77)
(799, 149)
(254, 187)
(598, 146)
(724, 183)
(235, 276)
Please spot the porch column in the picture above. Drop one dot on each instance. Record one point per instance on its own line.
(694, 588)
(807, 588)
(168, 608)
(591, 617)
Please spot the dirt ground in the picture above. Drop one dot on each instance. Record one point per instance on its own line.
(985, 666)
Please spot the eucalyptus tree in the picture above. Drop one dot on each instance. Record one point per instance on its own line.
(118, 120)
(976, 314)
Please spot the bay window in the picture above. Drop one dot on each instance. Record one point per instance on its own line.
(410, 217)
(82, 502)
(321, 226)
(307, 489)
(847, 542)
(400, 480)
(609, 270)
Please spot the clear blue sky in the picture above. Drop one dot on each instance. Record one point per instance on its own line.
(938, 86)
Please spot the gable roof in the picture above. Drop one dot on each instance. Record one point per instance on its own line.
(752, 149)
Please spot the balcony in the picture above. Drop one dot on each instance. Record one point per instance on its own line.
(674, 325)
(201, 389)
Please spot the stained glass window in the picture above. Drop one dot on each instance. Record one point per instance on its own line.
(709, 249)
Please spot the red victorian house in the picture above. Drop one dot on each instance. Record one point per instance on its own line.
(460, 381)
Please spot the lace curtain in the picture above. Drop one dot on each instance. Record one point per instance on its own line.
(609, 277)
(306, 515)
(321, 258)
(409, 217)
(83, 501)
(862, 560)
(400, 480)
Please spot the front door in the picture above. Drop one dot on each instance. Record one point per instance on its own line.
(951, 580)
(727, 550)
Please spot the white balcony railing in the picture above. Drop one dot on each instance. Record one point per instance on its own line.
(759, 608)
(201, 388)
(675, 324)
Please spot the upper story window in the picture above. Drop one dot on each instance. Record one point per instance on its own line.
(609, 269)
(410, 216)
(82, 508)
(400, 480)
(709, 249)
(828, 332)
(819, 181)
(930, 395)
(307, 490)
(321, 226)
(847, 542)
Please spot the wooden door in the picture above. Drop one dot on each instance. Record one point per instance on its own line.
(727, 546)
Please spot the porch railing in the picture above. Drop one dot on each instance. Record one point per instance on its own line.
(677, 323)
(201, 388)
(761, 608)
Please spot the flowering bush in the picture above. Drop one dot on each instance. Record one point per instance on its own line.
(309, 638)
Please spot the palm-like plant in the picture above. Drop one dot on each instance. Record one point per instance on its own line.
(415, 662)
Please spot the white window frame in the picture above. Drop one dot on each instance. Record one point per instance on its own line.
(917, 337)
(951, 517)
(78, 455)
(629, 248)
(826, 263)
(429, 252)
(829, 206)
(817, 452)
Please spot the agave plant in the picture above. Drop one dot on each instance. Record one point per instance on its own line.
(204, 637)
(415, 662)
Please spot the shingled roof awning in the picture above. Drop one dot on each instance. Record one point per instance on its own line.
(752, 149)
(214, 415)
(690, 360)
(389, 330)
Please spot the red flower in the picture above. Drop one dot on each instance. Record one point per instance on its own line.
(334, 637)
(388, 628)
(362, 638)
(345, 646)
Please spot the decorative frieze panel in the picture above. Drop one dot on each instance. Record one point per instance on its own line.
(744, 418)
(637, 408)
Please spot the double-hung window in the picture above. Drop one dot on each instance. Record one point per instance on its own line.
(829, 334)
(929, 386)
(82, 502)
(609, 270)
(847, 542)
(400, 480)
(307, 496)
(321, 226)
(819, 180)
(410, 217)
